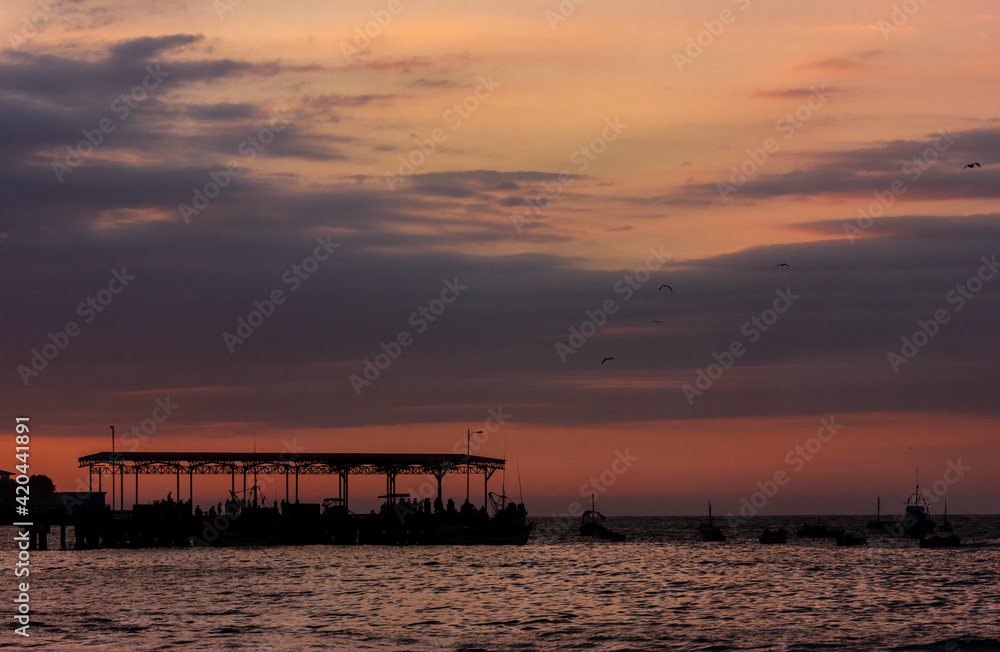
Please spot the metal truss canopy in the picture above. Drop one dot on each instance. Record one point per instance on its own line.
(390, 464)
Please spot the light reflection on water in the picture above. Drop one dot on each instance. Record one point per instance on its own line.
(662, 590)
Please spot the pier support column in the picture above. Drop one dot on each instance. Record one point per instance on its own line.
(62, 536)
(440, 477)
(390, 486)
(286, 485)
(178, 492)
(136, 487)
(296, 484)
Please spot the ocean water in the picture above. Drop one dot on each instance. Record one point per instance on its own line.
(661, 590)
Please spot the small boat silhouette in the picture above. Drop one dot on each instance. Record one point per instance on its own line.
(709, 530)
(774, 536)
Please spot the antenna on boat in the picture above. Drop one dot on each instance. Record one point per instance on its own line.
(503, 476)
(520, 492)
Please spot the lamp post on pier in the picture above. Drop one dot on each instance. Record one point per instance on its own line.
(468, 453)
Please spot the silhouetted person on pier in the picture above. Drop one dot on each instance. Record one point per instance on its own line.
(197, 510)
(170, 497)
(438, 506)
(451, 507)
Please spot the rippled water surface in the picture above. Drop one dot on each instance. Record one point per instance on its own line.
(662, 590)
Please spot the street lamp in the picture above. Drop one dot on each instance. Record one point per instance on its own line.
(112, 470)
(468, 445)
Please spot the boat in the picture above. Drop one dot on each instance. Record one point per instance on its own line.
(709, 530)
(774, 536)
(916, 519)
(878, 525)
(946, 526)
(848, 539)
(507, 527)
(819, 531)
(936, 541)
(250, 523)
(592, 524)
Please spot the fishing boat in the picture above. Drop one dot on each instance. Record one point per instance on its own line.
(508, 526)
(592, 524)
(848, 539)
(773, 536)
(709, 531)
(946, 526)
(936, 541)
(878, 525)
(251, 523)
(916, 519)
(819, 531)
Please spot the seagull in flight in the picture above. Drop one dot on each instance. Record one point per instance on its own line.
(973, 165)
(656, 321)
(605, 360)
(782, 265)
(667, 286)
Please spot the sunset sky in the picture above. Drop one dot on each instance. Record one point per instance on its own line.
(527, 174)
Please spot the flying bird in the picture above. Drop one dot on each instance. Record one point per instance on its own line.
(656, 321)
(667, 286)
(782, 265)
(605, 360)
(973, 165)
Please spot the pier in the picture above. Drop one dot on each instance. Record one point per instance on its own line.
(246, 521)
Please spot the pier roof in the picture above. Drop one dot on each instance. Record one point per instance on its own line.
(289, 462)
